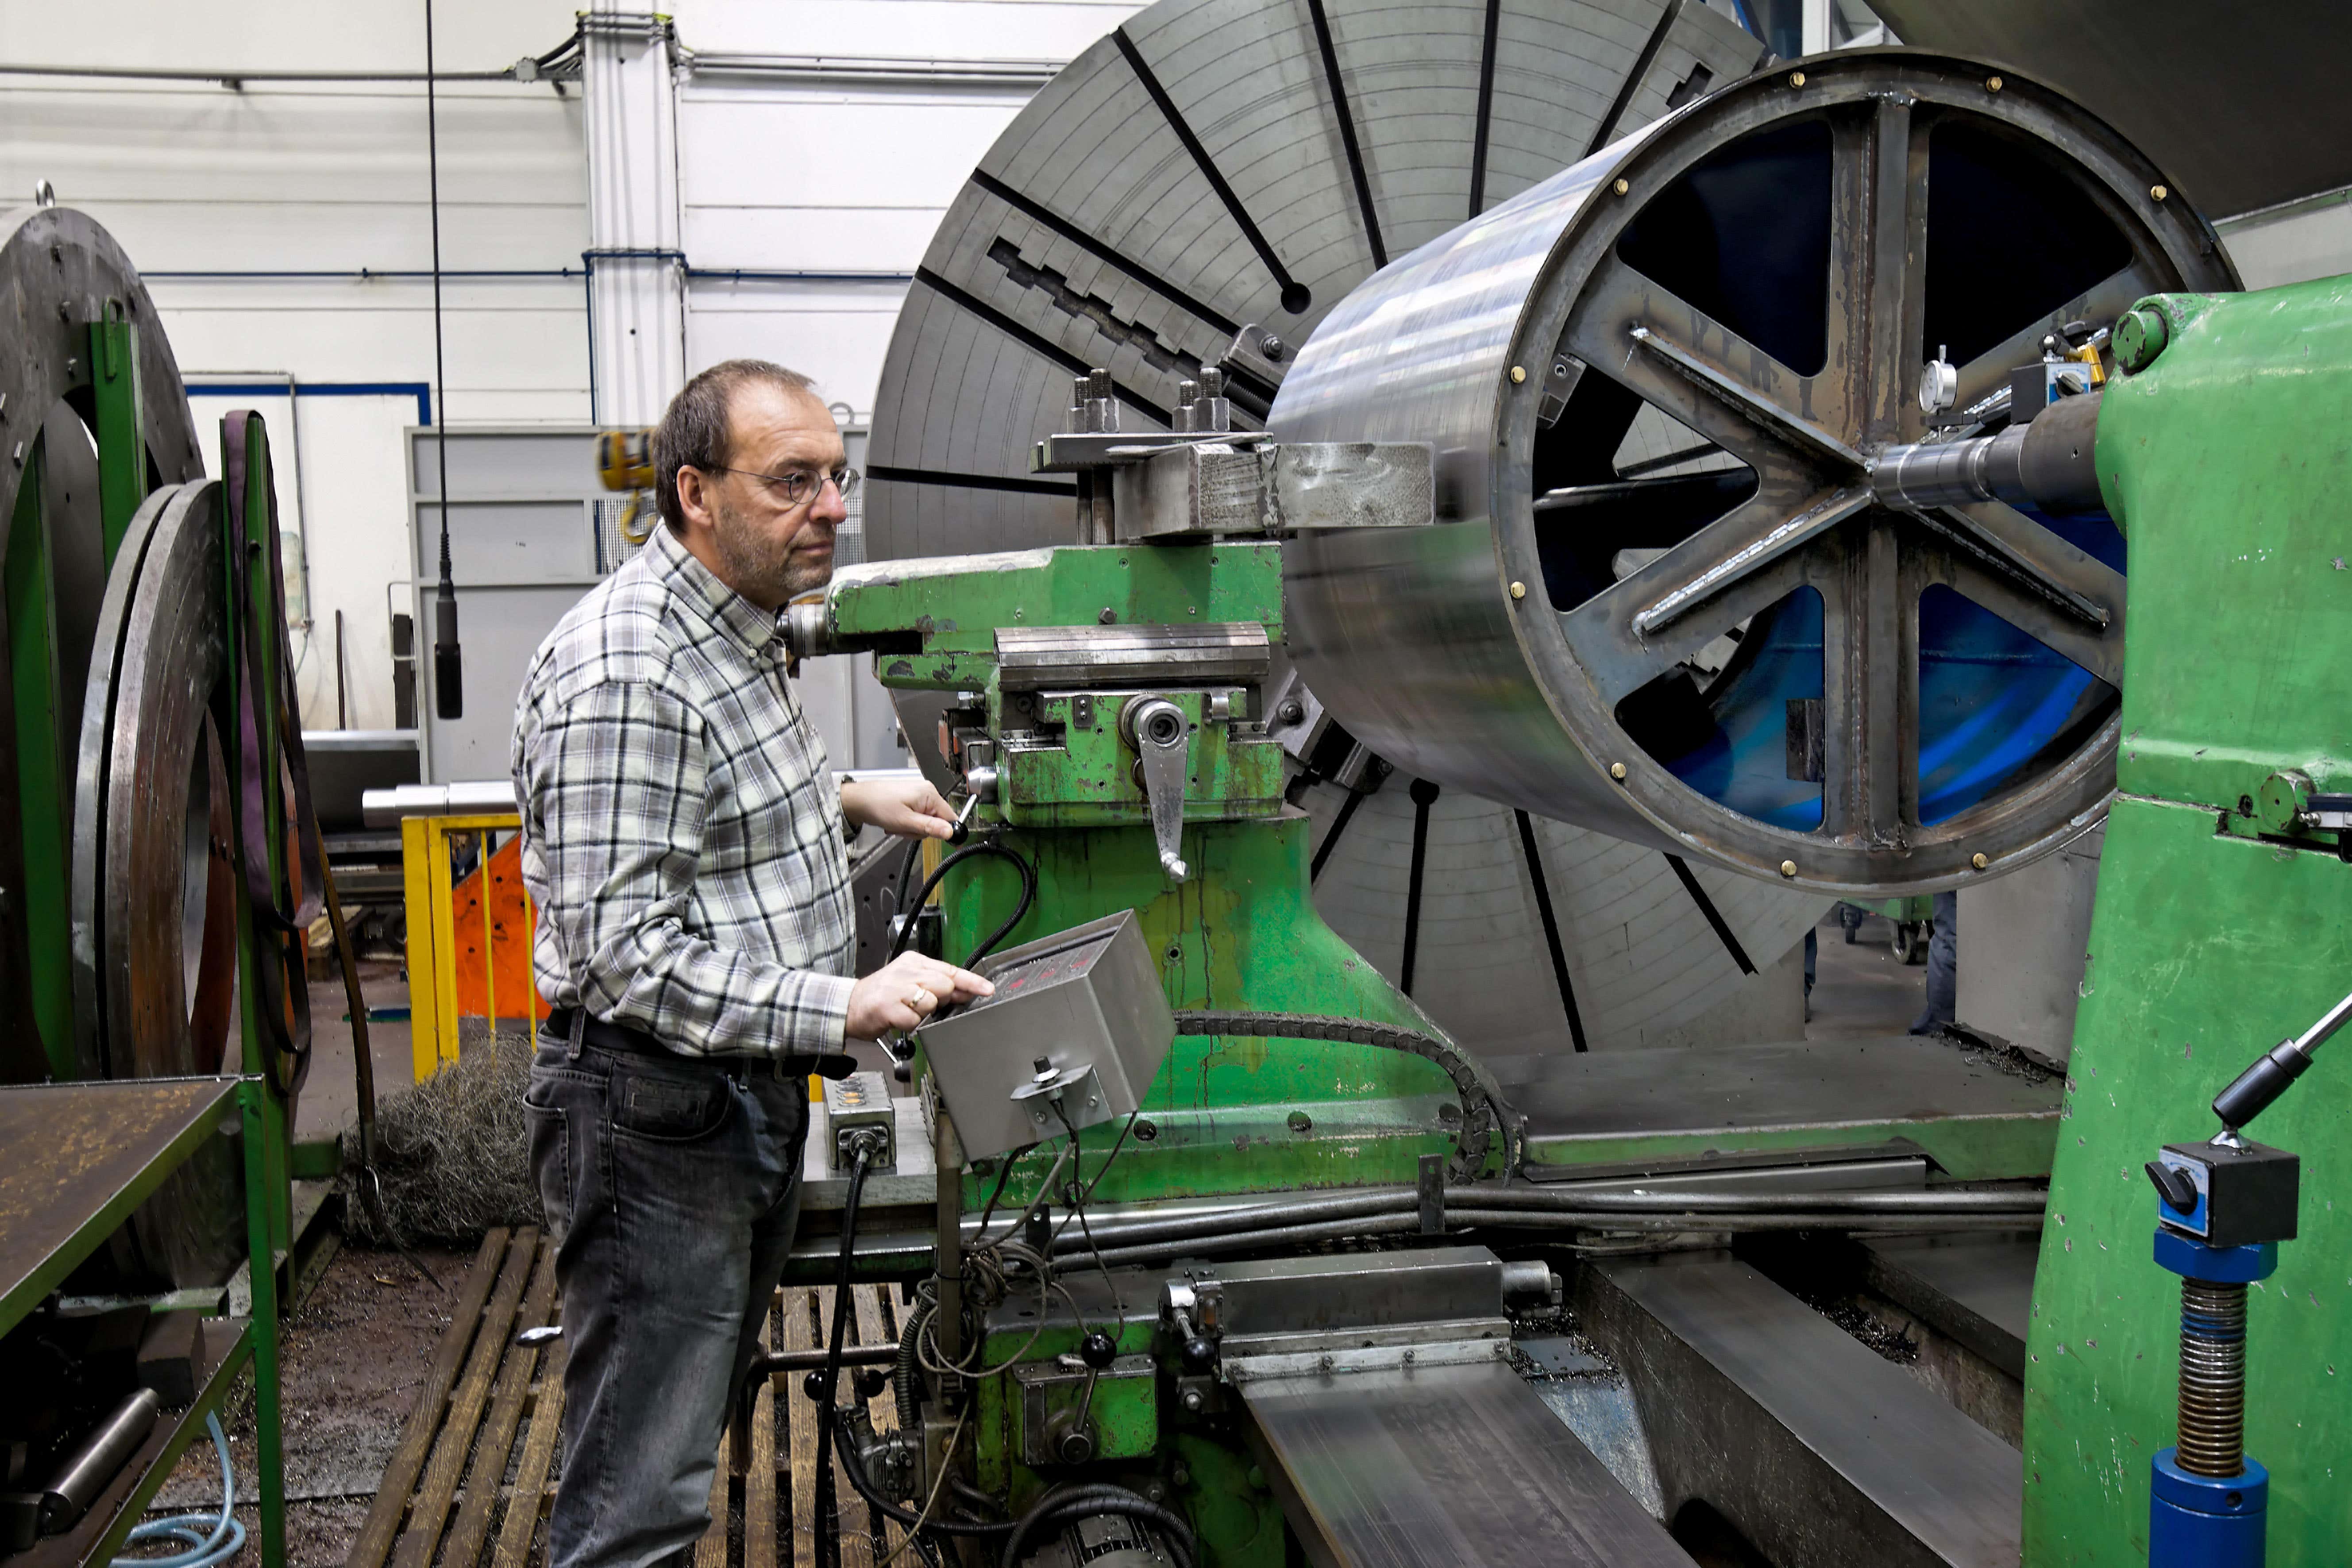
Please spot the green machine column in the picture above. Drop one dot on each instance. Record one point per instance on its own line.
(46, 718)
(1225, 1114)
(123, 475)
(2221, 926)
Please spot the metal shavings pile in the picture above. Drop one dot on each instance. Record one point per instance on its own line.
(453, 1153)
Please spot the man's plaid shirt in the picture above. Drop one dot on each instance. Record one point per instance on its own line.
(681, 826)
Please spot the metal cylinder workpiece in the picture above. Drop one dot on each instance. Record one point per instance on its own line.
(1713, 565)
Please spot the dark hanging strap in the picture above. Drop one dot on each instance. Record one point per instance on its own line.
(282, 919)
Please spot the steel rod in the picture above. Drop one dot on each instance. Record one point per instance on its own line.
(1231, 1240)
(2311, 1039)
(1534, 1201)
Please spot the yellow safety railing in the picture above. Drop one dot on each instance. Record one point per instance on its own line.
(425, 842)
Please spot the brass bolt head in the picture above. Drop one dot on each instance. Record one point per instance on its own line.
(1518, 589)
(1787, 868)
(1796, 78)
(1518, 374)
(2158, 191)
(1622, 187)
(1617, 772)
(1979, 861)
(1992, 84)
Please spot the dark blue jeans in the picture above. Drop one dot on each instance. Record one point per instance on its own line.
(673, 1184)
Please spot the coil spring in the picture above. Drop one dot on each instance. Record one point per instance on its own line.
(2212, 1378)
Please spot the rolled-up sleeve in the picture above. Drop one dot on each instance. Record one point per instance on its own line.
(615, 788)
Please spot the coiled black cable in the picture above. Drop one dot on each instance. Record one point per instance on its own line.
(864, 1487)
(1061, 1508)
(978, 847)
(828, 1543)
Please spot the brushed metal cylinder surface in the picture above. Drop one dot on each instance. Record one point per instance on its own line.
(1440, 649)
(88, 1471)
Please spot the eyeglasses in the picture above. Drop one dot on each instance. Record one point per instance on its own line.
(794, 488)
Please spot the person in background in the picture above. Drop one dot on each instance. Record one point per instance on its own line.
(1943, 968)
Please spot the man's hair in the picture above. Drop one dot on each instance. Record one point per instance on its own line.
(693, 432)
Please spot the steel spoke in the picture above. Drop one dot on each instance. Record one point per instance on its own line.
(2105, 300)
(1709, 377)
(1605, 631)
(1750, 554)
(1878, 245)
(2011, 544)
(2096, 649)
(1693, 368)
(1870, 687)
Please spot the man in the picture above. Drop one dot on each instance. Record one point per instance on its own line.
(683, 837)
(1943, 969)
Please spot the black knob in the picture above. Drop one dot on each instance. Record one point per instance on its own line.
(1099, 1350)
(817, 1385)
(1043, 1064)
(2173, 1186)
(870, 1380)
(1199, 1354)
(903, 1070)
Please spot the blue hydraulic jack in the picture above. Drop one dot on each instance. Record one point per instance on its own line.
(2224, 1206)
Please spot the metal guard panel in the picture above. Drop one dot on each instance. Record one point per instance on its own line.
(1451, 1467)
(1031, 658)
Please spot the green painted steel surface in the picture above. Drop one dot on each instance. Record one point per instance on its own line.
(2226, 461)
(42, 761)
(123, 475)
(1240, 933)
(1212, 1482)
(1224, 1114)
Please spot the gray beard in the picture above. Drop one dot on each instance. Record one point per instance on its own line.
(759, 568)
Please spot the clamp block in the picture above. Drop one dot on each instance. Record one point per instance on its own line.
(2193, 1260)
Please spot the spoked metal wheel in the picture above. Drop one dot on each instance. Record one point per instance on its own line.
(1671, 609)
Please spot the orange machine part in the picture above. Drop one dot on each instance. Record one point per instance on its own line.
(508, 960)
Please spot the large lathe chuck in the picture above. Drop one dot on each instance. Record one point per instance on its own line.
(1210, 166)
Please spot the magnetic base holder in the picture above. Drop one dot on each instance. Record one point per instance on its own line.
(2209, 1522)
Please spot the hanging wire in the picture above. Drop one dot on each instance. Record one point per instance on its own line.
(448, 688)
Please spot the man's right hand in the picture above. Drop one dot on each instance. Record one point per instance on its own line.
(906, 991)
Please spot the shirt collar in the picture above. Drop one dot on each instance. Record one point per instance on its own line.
(729, 611)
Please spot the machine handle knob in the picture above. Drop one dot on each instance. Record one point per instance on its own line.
(2254, 1089)
(1099, 1350)
(2173, 1186)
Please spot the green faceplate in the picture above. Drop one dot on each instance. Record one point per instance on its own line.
(2227, 463)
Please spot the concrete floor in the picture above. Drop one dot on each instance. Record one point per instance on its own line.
(330, 1102)
(1862, 991)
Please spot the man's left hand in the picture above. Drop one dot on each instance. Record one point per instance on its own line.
(909, 808)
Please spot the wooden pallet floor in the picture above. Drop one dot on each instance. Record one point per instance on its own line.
(470, 1483)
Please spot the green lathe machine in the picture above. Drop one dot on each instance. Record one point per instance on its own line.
(1233, 1254)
